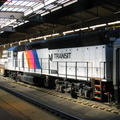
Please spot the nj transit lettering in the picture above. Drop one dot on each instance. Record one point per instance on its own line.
(62, 55)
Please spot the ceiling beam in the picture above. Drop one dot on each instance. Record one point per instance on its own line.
(107, 8)
(77, 17)
(11, 15)
(94, 14)
(115, 3)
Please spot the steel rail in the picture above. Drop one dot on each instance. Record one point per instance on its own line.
(41, 105)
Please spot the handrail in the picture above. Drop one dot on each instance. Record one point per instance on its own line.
(76, 65)
(104, 68)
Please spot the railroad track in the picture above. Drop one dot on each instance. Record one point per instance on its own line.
(58, 113)
(81, 101)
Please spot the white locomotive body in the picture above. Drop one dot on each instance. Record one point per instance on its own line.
(82, 63)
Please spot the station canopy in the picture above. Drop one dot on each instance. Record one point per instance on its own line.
(14, 12)
(25, 19)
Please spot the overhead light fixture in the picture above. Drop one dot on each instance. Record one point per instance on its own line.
(112, 23)
(63, 1)
(96, 26)
(8, 22)
(45, 13)
(49, 2)
(1, 31)
(47, 36)
(19, 43)
(39, 38)
(11, 44)
(55, 34)
(44, 38)
(21, 23)
(32, 39)
(66, 32)
(26, 21)
(69, 3)
(85, 28)
(117, 12)
(76, 30)
(4, 46)
(15, 26)
(57, 8)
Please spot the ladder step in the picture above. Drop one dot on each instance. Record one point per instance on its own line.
(98, 86)
(97, 92)
(99, 98)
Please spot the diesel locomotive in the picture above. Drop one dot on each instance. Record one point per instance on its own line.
(85, 64)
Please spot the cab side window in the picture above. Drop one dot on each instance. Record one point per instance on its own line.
(9, 54)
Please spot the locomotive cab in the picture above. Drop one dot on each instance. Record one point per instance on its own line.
(13, 63)
(12, 53)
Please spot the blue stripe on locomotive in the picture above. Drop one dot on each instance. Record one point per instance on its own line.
(36, 59)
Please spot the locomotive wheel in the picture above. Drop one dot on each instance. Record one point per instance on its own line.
(90, 94)
(17, 79)
(62, 89)
(5, 74)
(57, 87)
(13, 75)
(73, 93)
(9, 75)
(47, 83)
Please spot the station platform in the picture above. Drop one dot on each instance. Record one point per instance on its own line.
(13, 108)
